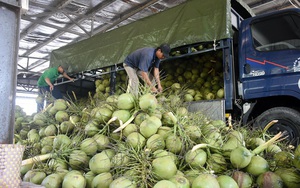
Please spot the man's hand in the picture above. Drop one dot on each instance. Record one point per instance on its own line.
(154, 90)
(159, 88)
(51, 87)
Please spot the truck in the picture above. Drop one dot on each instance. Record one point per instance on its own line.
(260, 57)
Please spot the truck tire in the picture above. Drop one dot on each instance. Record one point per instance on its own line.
(288, 120)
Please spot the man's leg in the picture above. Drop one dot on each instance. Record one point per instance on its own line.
(133, 82)
(56, 93)
(42, 94)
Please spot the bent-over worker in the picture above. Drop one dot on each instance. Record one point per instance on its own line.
(46, 80)
(138, 64)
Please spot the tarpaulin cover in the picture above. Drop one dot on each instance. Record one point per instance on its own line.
(190, 22)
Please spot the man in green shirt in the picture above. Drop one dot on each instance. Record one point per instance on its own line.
(46, 80)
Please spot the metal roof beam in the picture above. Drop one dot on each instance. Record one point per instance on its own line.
(93, 11)
(126, 15)
(38, 22)
(33, 26)
(64, 11)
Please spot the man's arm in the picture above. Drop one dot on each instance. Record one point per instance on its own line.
(157, 79)
(147, 80)
(67, 76)
(47, 80)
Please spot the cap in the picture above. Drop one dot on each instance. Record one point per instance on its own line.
(165, 48)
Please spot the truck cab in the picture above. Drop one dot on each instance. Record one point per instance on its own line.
(268, 80)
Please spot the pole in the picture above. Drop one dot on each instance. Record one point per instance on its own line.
(9, 37)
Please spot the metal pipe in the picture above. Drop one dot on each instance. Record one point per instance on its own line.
(9, 37)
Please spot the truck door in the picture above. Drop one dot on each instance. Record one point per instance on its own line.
(270, 50)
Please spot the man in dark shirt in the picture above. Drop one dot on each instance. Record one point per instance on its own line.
(138, 64)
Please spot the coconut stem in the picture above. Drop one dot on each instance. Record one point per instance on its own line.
(111, 120)
(126, 123)
(37, 158)
(173, 118)
(269, 125)
(199, 146)
(264, 146)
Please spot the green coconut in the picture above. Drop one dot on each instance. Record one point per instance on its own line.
(155, 142)
(180, 181)
(74, 119)
(102, 180)
(60, 104)
(164, 168)
(35, 177)
(257, 166)
(91, 128)
(122, 115)
(122, 182)
(205, 180)
(243, 179)
(130, 128)
(196, 158)
(289, 176)
(101, 114)
(33, 137)
(163, 153)
(194, 132)
(89, 176)
(191, 175)
(100, 163)
(150, 126)
(125, 101)
(50, 130)
(61, 116)
(66, 127)
(136, 140)
(109, 152)
(74, 180)
(52, 181)
(173, 144)
(165, 184)
(25, 168)
(164, 131)
(61, 141)
(148, 102)
(78, 159)
(89, 146)
(255, 142)
(102, 141)
(46, 149)
(227, 182)
(58, 164)
(283, 159)
(240, 157)
(269, 179)
(140, 118)
(40, 119)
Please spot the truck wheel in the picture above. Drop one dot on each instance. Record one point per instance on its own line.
(288, 120)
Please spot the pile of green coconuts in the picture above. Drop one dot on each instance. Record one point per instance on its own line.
(151, 140)
(145, 141)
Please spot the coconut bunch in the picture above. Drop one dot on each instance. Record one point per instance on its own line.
(202, 78)
(103, 84)
(151, 141)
